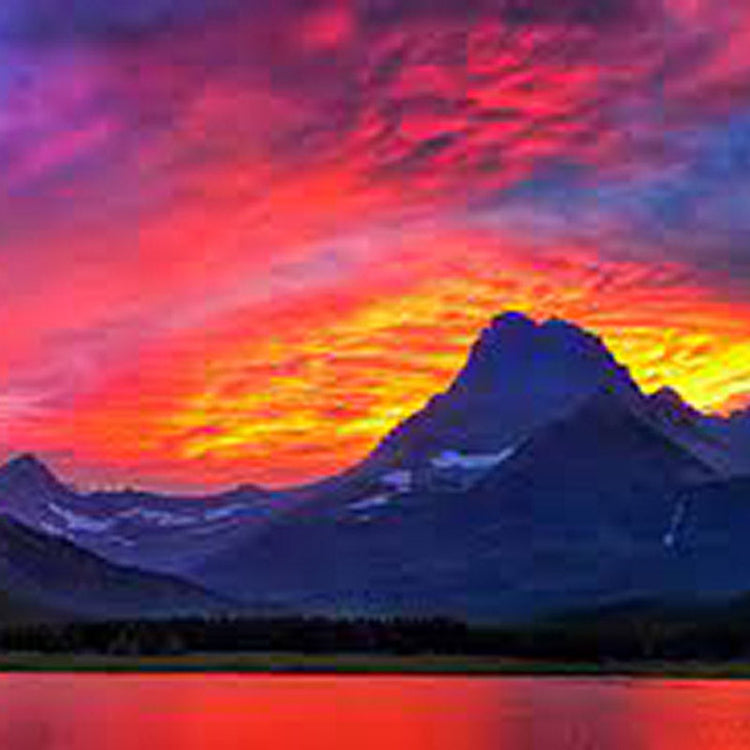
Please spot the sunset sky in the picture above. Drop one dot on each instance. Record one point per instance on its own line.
(241, 239)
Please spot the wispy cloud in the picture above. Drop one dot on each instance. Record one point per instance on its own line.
(234, 178)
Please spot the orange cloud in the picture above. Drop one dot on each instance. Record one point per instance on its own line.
(294, 390)
(243, 251)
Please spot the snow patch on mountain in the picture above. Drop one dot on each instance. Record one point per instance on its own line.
(376, 501)
(450, 459)
(675, 524)
(157, 517)
(51, 528)
(400, 480)
(122, 541)
(76, 522)
(218, 514)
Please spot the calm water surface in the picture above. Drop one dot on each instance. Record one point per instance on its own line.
(81, 712)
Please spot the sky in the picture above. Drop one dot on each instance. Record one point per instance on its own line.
(241, 240)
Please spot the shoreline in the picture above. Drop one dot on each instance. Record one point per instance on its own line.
(362, 665)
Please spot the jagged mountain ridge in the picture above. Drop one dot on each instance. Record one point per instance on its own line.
(543, 477)
(579, 510)
(511, 493)
(518, 376)
(521, 375)
(734, 433)
(165, 533)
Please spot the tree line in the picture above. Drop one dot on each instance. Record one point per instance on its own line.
(622, 634)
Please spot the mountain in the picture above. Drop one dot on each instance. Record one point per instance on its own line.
(542, 479)
(43, 574)
(28, 488)
(575, 512)
(165, 533)
(734, 433)
(669, 408)
(724, 442)
(28, 472)
(519, 375)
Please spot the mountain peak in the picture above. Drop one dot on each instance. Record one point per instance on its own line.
(25, 460)
(506, 329)
(513, 319)
(519, 375)
(517, 327)
(514, 351)
(667, 403)
(667, 395)
(26, 468)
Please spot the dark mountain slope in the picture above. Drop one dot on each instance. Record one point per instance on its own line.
(519, 375)
(542, 479)
(49, 573)
(709, 533)
(578, 511)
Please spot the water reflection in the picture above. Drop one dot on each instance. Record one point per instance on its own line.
(249, 713)
(695, 715)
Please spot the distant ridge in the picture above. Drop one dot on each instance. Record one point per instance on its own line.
(129, 527)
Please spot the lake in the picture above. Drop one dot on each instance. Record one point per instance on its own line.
(202, 712)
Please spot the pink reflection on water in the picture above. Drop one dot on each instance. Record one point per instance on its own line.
(209, 712)
(247, 713)
(691, 715)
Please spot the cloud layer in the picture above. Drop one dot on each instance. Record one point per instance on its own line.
(217, 218)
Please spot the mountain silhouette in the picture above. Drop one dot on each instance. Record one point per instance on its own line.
(129, 527)
(541, 479)
(519, 375)
(41, 573)
(508, 495)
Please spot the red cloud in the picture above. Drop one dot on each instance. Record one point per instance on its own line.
(306, 385)
(243, 227)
